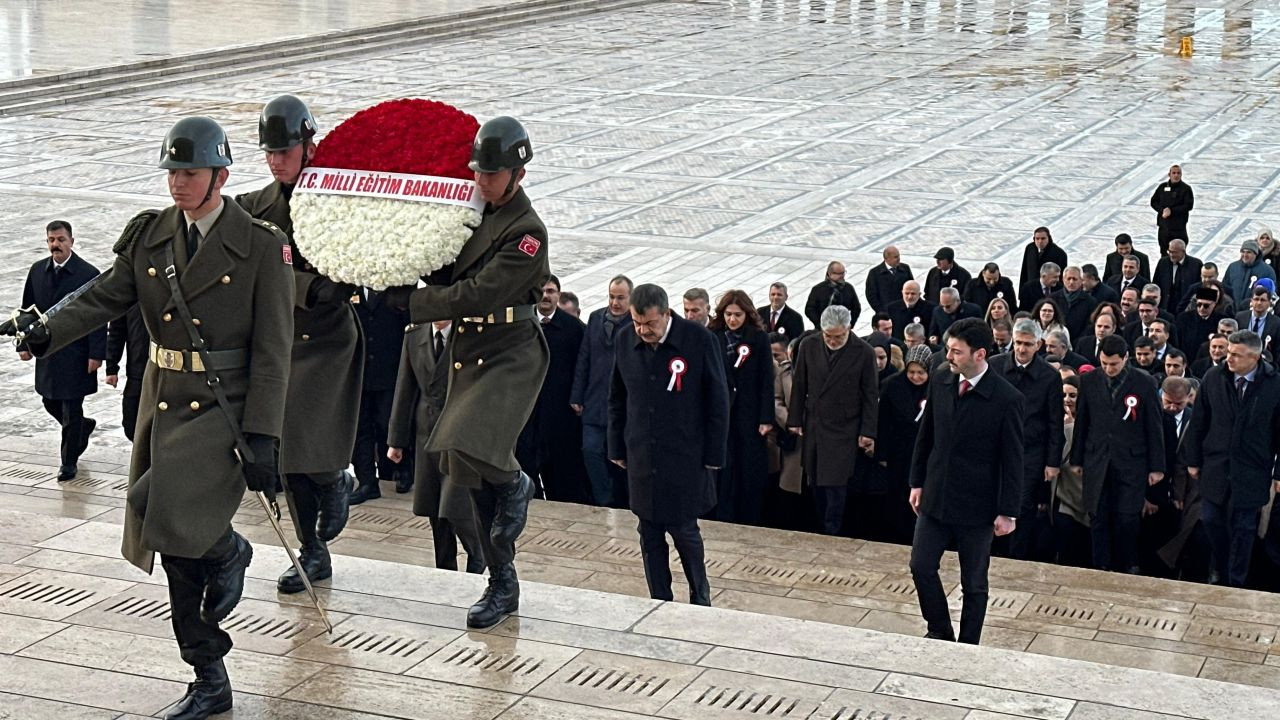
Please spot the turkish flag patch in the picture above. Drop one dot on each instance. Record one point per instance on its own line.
(286, 252)
(529, 245)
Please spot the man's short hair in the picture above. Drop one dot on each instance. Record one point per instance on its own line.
(779, 285)
(915, 330)
(568, 296)
(1113, 345)
(949, 292)
(972, 332)
(1090, 271)
(1210, 266)
(1027, 326)
(59, 225)
(1142, 341)
(1049, 268)
(1148, 301)
(875, 319)
(835, 316)
(648, 295)
(1045, 230)
(1060, 334)
(1123, 239)
(1002, 324)
(991, 268)
(696, 293)
(553, 280)
(1231, 323)
(778, 339)
(1130, 259)
(622, 279)
(1151, 289)
(1176, 386)
(1247, 338)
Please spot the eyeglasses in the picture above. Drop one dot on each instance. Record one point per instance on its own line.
(1205, 305)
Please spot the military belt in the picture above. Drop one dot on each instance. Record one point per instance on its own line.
(188, 361)
(506, 315)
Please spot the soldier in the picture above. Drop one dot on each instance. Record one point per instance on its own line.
(326, 361)
(213, 287)
(498, 354)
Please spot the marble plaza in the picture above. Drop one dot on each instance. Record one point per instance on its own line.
(719, 143)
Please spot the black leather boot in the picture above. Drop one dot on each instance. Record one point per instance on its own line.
(368, 490)
(404, 481)
(335, 503)
(86, 430)
(500, 598)
(315, 562)
(225, 582)
(209, 695)
(511, 509)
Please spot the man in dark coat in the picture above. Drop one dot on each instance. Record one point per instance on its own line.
(990, 285)
(1173, 202)
(382, 326)
(1048, 282)
(499, 355)
(950, 309)
(128, 334)
(421, 388)
(1118, 443)
(1175, 273)
(668, 427)
(550, 447)
(1039, 251)
(589, 398)
(1130, 276)
(1043, 439)
(1233, 448)
(1124, 248)
(325, 359)
(185, 483)
(832, 291)
(945, 273)
(884, 281)
(1197, 325)
(1260, 320)
(64, 379)
(834, 390)
(912, 308)
(1075, 304)
(966, 477)
(1095, 287)
(778, 317)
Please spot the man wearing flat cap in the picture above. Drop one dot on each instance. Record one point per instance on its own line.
(946, 273)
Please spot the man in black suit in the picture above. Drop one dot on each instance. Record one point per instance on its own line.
(1124, 248)
(910, 309)
(1128, 277)
(832, 291)
(1118, 444)
(884, 281)
(64, 378)
(945, 273)
(1216, 355)
(1259, 319)
(1041, 389)
(1175, 273)
(1095, 287)
(1233, 448)
(1075, 303)
(128, 334)
(1048, 283)
(966, 477)
(550, 446)
(383, 329)
(1039, 251)
(950, 309)
(988, 286)
(778, 317)
(1197, 325)
(669, 429)
(1172, 201)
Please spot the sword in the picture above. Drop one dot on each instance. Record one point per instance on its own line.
(273, 510)
(42, 318)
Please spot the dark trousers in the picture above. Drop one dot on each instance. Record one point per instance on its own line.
(1115, 528)
(688, 541)
(303, 491)
(1026, 541)
(199, 642)
(1168, 232)
(129, 414)
(829, 504)
(1071, 541)
(370, 454)
(70, 415)
(445, 536)
(1231, 531)
(605, 477)
(973, 544)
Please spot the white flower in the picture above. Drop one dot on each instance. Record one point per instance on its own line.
(378, 242)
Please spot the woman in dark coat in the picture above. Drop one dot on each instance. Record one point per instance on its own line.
(901, 406)
(748, 364)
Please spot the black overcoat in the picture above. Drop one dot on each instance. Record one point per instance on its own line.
(1103, 436)
(64, 375)
(554, 430)
(1235, 443)
(834, 403)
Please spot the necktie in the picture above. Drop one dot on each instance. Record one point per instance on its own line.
(1257, 326)
(773, 324)
(546, 319)
(1124, 285)
(193, 241)
(964, 387)
(1174, 279)
(437, 348)
(1241, 384)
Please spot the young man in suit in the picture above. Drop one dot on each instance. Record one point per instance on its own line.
(1259, 319)
(780, 318)
(1118, 444)
(64, 378)
(966, 477)
(1124, 249)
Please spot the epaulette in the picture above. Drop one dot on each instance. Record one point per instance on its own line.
(269, 226)
(136, 228)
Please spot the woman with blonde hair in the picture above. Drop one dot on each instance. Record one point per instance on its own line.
(997, 309)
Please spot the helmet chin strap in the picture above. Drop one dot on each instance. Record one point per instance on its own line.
(213, 180)
(511, 184)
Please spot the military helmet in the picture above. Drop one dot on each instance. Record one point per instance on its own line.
(501, 144)
(285, 122)
(193, 143)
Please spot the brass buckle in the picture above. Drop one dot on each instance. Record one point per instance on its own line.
(169, 359)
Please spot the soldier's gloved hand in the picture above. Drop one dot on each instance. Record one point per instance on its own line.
(36, 335)
(261, 473)
(324, 291)
(398, 296)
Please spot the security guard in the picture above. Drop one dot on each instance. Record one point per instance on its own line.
(498, 355)
(214, 289)
(327, 359)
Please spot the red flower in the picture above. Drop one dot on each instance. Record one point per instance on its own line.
(413, 136)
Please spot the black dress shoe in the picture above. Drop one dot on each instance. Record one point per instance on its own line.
(939, 636)
(335, 506)
(315, 561)
(66, 472)
(209, 695)
(367, 491)
(511, 510)
(500, 598)
(404, 482)
(225, 582)
(86, 429)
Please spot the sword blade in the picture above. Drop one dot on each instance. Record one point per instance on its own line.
(293, 557)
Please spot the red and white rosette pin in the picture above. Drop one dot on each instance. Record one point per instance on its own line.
(744, 352)
(1130, 407)
(678, 367)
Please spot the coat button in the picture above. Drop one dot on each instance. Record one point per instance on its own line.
(479, 361)
(163, 405)
(167, 317)
(480, 329)
(306, 337)
(151, 272)
(461, 328)
(226, 279)
(457, 366)
(195, 405)
(195, 321)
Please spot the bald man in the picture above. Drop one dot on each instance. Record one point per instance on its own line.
(885, 281)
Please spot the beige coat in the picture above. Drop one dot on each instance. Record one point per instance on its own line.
(788, 464)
